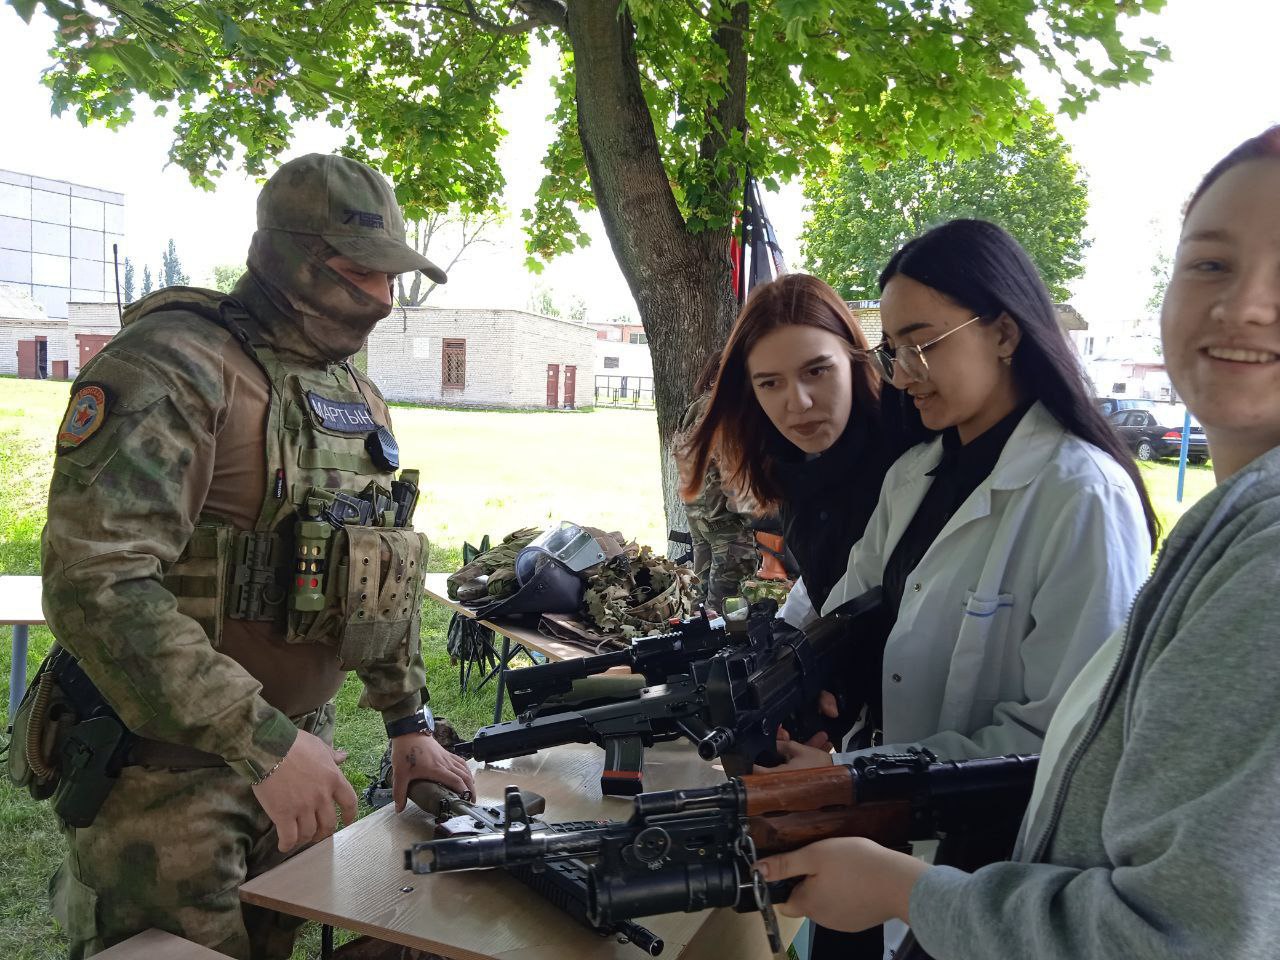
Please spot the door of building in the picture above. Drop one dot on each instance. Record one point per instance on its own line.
(553, 385)
(33, 359)
(89, 344)
(570, 385)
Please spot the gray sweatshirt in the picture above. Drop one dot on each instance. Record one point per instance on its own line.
(1159, 834)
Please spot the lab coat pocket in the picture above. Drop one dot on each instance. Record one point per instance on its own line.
(978, 661)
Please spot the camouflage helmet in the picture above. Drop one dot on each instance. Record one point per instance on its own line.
(346, 203)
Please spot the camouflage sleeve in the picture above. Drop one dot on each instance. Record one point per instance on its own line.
(731, 543)
(395, 688)
(133, 466)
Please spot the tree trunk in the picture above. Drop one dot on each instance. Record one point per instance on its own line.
(681, 282)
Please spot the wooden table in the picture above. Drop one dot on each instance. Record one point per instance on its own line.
(437, 588)
(356, 879)
(157, 945)
(19, 608)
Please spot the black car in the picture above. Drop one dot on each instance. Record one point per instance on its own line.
(1157, 432)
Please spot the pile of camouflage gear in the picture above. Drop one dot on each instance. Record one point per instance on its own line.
(629, 592)
(637, 593)
(491, 573)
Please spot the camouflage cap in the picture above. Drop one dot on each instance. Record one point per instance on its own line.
(350, 205)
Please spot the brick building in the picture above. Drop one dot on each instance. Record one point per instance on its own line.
(482, 358)
(35, 345)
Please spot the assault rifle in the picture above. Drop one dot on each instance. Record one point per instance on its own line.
(695, 849)
(563, 882)
(657, 658)
(730, 703)
(623, 727)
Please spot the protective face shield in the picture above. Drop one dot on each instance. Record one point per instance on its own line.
(570, 545)
(552, 571)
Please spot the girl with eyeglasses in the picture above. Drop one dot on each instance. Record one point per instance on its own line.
(1151, 829)
(1012, 543)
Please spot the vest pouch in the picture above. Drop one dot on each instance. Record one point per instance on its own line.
(198, 579)
(39, 727)
(382, 606)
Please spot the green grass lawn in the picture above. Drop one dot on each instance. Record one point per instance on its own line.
(481, 473)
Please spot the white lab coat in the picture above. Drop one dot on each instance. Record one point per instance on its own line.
(1025, 582)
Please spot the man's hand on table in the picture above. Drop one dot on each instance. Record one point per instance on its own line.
(301, 793)
(417, 756)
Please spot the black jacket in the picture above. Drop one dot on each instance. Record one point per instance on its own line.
(827, 501)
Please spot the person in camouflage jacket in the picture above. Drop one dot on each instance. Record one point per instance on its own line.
(209, 426)
(724, 545)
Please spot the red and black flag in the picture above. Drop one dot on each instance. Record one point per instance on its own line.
(757, 258)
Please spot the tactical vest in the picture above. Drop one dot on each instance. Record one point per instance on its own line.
(332, 557)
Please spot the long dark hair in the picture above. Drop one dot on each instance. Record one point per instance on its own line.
(980, 267)
(735, 430)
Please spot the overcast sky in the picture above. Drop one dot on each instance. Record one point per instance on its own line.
(1143, 149)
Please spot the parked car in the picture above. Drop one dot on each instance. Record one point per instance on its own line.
(1157, 432)
(1110, 405)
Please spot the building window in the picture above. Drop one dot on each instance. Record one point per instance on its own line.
(638, 338)
(454, 364)
(611, 363)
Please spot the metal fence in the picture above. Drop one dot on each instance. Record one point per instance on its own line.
(619, 391)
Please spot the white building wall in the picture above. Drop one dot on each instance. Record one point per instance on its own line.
(634, 359)
(56, 239)
(89, 318)
(507, 354)
(546, 340)
(405, 356)
(98, 319)
(11, 331)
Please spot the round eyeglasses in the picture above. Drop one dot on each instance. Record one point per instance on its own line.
(909, 355)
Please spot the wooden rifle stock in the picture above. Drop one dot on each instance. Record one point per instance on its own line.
(786, 811)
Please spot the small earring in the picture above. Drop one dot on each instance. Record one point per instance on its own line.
(1007, 361)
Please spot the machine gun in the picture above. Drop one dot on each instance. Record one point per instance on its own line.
(730, 703)
(657, 658)
(695, 849)
(563, 881)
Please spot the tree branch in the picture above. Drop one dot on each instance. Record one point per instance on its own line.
(535, 18)
(551, 13)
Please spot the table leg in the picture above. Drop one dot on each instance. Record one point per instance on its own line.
(502, 680)
(18, 669)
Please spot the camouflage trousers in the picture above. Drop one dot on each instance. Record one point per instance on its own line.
(170, 849)
(724, 554)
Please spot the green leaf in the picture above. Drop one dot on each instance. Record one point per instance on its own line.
(25, 8)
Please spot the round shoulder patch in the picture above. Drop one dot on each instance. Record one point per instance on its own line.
(86, 414)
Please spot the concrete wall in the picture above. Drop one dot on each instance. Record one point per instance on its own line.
(55, 240)
(507, 353)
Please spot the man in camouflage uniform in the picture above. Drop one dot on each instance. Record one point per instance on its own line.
(724, 546)
(196, 445)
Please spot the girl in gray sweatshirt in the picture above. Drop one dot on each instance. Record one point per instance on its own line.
(1152, 832)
